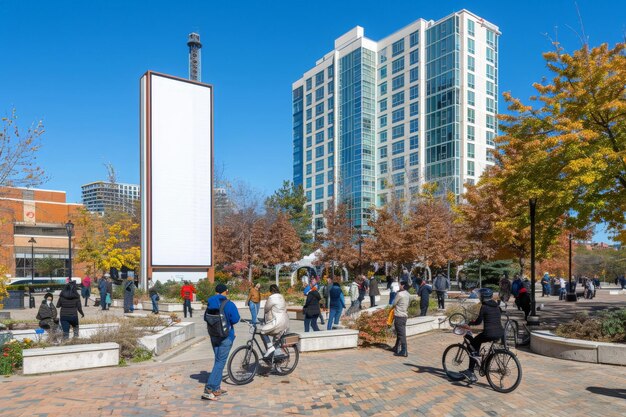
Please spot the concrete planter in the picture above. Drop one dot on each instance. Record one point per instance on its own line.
(418, 325)
(176, 307)
(169, 337)
(548, 344)
(139, 306)
(84, 331)
(242, 304)
(70, 358)
(329, 340)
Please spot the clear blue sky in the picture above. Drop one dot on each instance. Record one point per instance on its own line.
(77, 65)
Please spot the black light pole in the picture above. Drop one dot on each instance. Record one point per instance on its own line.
(31, 299)
(571, 294)
(532, 318)
(69, 227)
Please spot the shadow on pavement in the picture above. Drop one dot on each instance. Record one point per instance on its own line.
(442, 374)
(202, 377)
(609, 392)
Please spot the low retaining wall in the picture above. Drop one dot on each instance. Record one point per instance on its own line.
(84, 330)
(328, 340)
(69, 358)
(241, 304)
(175, 307)
(169, 337)
(548, 344)
(5, 315)
(418, 325)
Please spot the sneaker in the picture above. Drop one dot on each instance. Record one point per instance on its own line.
(220, 392)
(470, 375)
(209, 395)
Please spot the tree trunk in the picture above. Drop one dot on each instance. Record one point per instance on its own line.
(520, 260)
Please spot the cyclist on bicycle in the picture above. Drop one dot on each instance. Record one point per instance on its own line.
(492, 330)
(276, 319)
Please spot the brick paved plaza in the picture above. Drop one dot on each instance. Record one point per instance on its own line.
(364, 382)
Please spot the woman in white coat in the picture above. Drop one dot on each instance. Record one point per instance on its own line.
(276, 318)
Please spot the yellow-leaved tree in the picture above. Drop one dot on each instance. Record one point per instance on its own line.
(117, 250)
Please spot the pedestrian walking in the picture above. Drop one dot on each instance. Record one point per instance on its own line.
(186, 293)
(401, 314)
(154, 296)
(393, 290)
(516, 285)
(109, 291)
(311, 309)
(563, 289)
(505, 289)
(254, 302)
(336, 303)
(86, 290)
(47, 314)
(102, 287)
(355, 304)
(545, 285)
(423, 291)
(362, 289)
(220, 304)
(523, 302)
(373, 290)
(70, 305)
(442, 285)
(129, 295)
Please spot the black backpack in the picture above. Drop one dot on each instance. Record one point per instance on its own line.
(216, 322)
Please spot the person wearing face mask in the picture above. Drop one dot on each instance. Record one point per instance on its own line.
(47, 314)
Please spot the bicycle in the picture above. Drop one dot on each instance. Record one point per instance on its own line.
(459, 318)
(495, 363)
(243, 364)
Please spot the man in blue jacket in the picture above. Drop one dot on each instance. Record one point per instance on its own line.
(336, 303)
(221, 346)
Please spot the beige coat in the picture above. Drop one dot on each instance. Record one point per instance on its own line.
(276, 316)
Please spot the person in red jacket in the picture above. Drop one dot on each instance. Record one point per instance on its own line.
(186, 293)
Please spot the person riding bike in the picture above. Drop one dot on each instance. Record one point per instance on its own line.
(276, 319)
(491, 315)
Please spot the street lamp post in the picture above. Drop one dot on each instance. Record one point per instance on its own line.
(69, 227)
(532, 318)
(31, 299)
(571, 294)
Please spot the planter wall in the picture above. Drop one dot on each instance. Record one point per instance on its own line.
(548, 344)
(84, 330)
(169, 337)
(328, 340)
(69, 358)
(176, 307)
(418, 325)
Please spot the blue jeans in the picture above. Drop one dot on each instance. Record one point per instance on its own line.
(187, 306)
(103, 300)
(562, 294)
(254, 310)
(155, 305)
(221, 352)
(311, 321)
(66, 322)
(392, 296)
(333, 317)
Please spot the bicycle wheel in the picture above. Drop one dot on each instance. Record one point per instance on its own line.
(287, 364)
(243, 364)
(455, 360)
(504, 372)
(456, 319)
(510, 334)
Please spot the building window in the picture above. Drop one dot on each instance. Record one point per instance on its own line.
(309, 128)
(397, 163)
(319, 193)
(470, 80)
(413, 125)
(308, 196)
(319, 93)
(331, 118)
(471, 63)
(330, 176)
(414, 92)
(414, 57)
(471, 101)
(414, 109)
(470, 150)
(331, 87)
(414, 159)
(397, 47)
(414, 39)
(308, 99)
(397, 65)
(491, 89)
(397, 147)
(319, 208)
(308, 141)
(331, 71)
(319, 123)
(331, 190)
(330, 146)
(382, 168)
(319, 151)
(397, 131)
(309, 84)
(490, 136)
(330, 133)
(414, 74)
(470, 27)
(489, 155)
(382, 105)
(319, 165)
(382, 121)
(471, 116)
(319, 179)
(309, 155)
(470, 168)
(382, 136)
(309, 169)
(490, 122)
(398, 179)
(491, 105)
(383, 72)
(397, 115)
(383, 88)
(471, 46)
(397, 82)
(331, 103)
(319, 78)
(491, 72)
(491, 39)
(309, 114)
(491, 55)
(383, 55)
(470, 133)
(331, 162)
(382, 152)
(414, 142)
(319, 109)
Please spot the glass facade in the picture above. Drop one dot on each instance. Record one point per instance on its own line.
(357, 83)
(298, 133)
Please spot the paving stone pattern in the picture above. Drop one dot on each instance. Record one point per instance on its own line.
(363, 382)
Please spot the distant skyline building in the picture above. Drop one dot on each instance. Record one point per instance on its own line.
(375, 118)
(195, 56)
(100, 196)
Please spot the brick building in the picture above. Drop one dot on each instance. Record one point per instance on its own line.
(39, 214)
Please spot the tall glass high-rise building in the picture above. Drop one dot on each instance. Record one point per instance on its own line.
(376, 118)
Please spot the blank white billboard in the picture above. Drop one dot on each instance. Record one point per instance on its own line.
(178, 174)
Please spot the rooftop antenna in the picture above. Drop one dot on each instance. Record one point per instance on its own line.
(195, 57)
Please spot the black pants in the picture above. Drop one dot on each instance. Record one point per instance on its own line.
(441, 296)
(372, 300)
(66, 322)
(399, 324)
(423, 310)
(187, 306)
(476, 342)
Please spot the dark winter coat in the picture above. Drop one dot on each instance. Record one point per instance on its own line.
(424, 294)
(69, 302)
(491, 315)
(312, 304)
(47, 314)
(373, 287)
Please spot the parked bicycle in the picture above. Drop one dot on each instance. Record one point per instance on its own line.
(243, 364)
(501, 367)
(513, 335)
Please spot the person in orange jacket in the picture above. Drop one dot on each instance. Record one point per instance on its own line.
(186, 293)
